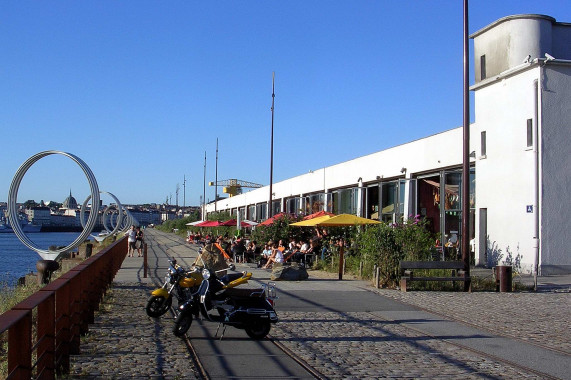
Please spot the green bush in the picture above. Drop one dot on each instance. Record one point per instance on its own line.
(385, 245)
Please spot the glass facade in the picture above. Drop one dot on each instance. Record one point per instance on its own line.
(439, 201)
(293, 205)
(261, 211)
(276, 207)
(315, 203)
(345, 201)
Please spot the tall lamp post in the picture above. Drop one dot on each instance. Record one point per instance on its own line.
(466, 157)
(216, 181)
(184, 192)
(272, 148)
(204, 190)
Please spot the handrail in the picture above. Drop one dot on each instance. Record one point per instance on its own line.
(65, 308)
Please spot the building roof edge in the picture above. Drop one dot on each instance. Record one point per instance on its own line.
(509, 18)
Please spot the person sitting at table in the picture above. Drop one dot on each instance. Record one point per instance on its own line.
(250, 252)
(299, 254)
(314, 249)
(266, 253)
(276, 257)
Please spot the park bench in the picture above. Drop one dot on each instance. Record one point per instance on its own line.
(407, 271)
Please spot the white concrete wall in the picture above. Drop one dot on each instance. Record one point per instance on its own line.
(556, 167)
(504, 178)
(507, 42)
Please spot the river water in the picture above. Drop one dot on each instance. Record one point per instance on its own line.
(16, 259)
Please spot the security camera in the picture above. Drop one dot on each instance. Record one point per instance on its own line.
(549, 57)
(527, 59)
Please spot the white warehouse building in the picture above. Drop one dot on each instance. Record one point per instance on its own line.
(520, 169)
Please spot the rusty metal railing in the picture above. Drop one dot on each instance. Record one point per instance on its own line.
(47, 325)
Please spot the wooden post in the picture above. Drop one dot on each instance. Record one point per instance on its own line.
(360, 269)
(341, 261)
(375, 275)
(378, 276)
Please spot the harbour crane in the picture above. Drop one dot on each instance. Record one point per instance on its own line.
(234, 186)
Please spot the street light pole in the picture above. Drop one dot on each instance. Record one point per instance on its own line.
(204, 190)
(272, 148)
(216, 183)
(466, 157)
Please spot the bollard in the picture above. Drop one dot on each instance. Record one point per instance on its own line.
(375, 274)
(145, 260)
(45, 269)
(503, 278)
(360, 269)
(378, 275)
(88, 250)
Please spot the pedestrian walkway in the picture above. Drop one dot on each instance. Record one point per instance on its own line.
(342, 329)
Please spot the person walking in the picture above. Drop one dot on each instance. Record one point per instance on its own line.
(139, 236)
(132, 239)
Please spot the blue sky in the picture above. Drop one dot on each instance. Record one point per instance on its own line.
(141, 89)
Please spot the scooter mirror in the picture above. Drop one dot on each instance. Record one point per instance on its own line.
(232, 267)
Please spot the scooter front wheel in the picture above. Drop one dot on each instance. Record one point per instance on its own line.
(258, 330)
(157, 306)
(182, 324)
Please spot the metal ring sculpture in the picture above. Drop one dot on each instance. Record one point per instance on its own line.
(108, 213)
(130, 220)
(84, 206)
(13, 212)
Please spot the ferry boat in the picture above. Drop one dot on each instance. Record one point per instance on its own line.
(26, 226)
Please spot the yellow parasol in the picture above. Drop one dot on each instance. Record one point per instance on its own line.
(311, 222)
(344, 220)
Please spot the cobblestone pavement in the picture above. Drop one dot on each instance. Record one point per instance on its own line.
(540, 318)
(360, 346)
(125, 343)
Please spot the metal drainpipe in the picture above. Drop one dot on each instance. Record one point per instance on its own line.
(536, 181)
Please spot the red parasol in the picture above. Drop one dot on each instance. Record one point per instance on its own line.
(271, 220)
(209, 223)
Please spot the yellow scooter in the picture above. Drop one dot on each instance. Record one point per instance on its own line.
(183, 284)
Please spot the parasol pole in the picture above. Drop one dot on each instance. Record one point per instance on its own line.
(341, 257)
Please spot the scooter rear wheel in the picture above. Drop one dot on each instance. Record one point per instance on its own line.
(157, 306)
(258, 330)
(182, 324)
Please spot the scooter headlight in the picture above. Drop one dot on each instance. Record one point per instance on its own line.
(205, 274)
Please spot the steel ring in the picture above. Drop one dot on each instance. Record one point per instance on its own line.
(13, 212)
(84, 206)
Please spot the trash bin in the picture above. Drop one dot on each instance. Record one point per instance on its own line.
(503, 278)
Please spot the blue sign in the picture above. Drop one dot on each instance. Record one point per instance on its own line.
(529, 208)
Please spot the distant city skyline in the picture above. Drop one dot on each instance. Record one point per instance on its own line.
(141, 90)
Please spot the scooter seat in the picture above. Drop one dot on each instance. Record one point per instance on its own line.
(244, 293)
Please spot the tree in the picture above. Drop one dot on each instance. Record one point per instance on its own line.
(30, 203)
